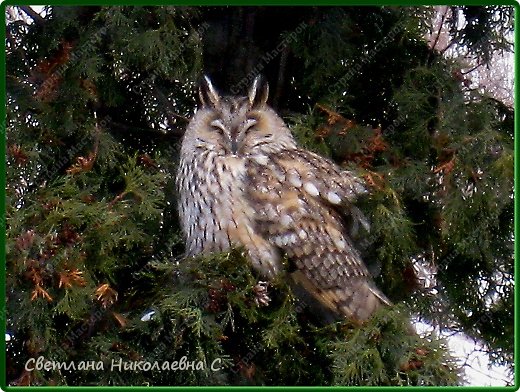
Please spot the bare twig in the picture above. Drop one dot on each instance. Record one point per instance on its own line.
(440, 28)
(139, 130)
(281, 75)
(117, 198)
(36, 17)
(169, 109)
(452, 42)
(472, 69)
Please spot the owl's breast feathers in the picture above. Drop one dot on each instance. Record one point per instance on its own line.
(215, 214)
(298, 198)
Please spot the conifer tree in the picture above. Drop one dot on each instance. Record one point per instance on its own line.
(97, 100)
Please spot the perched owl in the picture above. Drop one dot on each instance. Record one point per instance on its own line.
(243, 181)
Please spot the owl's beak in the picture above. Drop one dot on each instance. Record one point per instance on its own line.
(234, 146)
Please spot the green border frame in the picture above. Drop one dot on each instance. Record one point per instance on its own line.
(3, 125)
(264, 2)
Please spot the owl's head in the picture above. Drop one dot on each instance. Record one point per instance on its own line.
(238, 126)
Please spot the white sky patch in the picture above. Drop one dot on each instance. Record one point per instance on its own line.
(38, 8)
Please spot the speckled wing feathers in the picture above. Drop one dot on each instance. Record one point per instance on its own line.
(296, 198)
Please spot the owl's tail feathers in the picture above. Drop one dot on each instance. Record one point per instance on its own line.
(357, 300)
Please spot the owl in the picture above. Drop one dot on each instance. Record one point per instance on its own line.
(244, 182)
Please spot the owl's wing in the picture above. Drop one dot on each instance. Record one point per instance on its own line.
(296, 195)
(319, 177)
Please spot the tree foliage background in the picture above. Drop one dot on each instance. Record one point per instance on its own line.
(97, 100)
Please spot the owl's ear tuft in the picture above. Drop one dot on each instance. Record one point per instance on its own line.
(259, 92)
(208, 95)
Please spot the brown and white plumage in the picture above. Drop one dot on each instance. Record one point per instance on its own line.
(243, 181)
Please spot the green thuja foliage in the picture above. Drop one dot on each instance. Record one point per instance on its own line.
(97, 99)
(391, 356)
(212, 314)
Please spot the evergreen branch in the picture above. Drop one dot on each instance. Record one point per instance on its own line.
(86, 163)
(11, 41)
